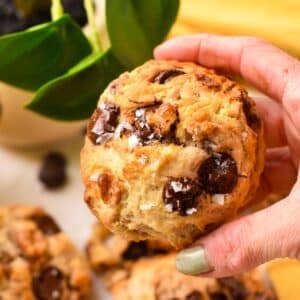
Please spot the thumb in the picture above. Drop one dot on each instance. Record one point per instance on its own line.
(246, 242)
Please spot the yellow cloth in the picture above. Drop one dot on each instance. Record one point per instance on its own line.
(277, 21)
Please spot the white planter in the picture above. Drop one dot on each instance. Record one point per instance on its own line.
(20, 127)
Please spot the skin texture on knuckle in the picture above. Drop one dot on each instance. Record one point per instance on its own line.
(229, 251)
(290, 244)
(244, 255)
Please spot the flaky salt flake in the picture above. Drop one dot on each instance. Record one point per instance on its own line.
(147, 206)
(120, 128)
(191, 211)
(244, 135)
(143, 159)
(94, 177)
(218, 199)
(133, 141)
(169, 207)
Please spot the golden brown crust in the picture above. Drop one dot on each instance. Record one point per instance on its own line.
(164, 120)
(35, 253)
(106, 251)
(157, 279)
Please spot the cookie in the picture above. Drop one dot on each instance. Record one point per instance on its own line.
(37, 260)
(172, 151)
(157, 279)
(107, 251)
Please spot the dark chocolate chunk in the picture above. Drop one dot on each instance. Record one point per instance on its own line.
(48, 284)
(52, 173)
(136, 250)
(181, 194)
(218, 174)
(147, 133)
(103, 123)
(218, 296)
(166, 75)
(142, 129)
(55, 158)
(235, 286)
(195, 295)
(46, 224)
(252, 119)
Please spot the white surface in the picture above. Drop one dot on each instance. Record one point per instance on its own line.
(19, 184)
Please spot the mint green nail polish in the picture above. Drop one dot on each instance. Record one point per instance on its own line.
(192, 261)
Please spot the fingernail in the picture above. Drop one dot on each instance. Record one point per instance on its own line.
(192, 261)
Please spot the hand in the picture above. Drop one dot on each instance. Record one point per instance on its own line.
(275, 231)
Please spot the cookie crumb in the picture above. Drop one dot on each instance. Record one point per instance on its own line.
(147, 206)
(191, 211)
(94, 177)
(133, 141)
(218, 199)
(169, 207)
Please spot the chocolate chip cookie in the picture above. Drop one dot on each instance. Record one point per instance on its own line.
(108, 251)
(37, 260)
(172, 151)
(157, 279)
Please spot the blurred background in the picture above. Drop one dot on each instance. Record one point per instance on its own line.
(277, 21)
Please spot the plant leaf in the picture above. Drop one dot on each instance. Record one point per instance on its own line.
(156, 18)
(30, 58)
(135, 27)
(74, 95)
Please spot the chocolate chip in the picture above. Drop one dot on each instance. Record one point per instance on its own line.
(181, 194)
(154, 123)
(136, 250)
(218, 174)
(48, 284)
(235, 286)
(166, 75)
(46, 224)
(218, 296)
(195, 295)
(103, 123)
(52, 173)
(252, 119)
(55, 158)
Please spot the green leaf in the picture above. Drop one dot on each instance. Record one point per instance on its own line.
(74, 95)
(156, 18)
(30, 58)
(135, 27)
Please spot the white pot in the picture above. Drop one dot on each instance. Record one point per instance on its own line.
(20, 127)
